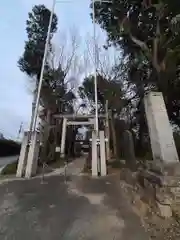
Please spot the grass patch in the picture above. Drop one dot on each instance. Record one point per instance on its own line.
(10, 169)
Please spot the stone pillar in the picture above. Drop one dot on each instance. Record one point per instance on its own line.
(33, 154)
(128, 149)
(160, 130)
(94, 155)
(102, 154)
(23, 155)
(63, 137)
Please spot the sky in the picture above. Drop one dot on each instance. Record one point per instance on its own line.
(15, 94)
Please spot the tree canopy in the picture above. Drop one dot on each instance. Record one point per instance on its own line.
(107, 89)
(54, 92)
(56, 96)
(148, 33)
(36, 28)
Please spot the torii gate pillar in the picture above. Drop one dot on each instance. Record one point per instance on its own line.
(98, 154)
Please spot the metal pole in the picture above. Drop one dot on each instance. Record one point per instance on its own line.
(43, 66)
(33, 108)
(95, 62)
(95, 70)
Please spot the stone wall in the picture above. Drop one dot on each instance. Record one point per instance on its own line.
(163, 181)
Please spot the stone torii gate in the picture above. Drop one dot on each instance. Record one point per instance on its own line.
(160, 130)
(28, 159)
(98, 165)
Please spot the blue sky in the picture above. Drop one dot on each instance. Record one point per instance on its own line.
(15, 97)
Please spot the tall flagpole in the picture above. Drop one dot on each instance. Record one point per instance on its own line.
(42, 68)
(95, 70)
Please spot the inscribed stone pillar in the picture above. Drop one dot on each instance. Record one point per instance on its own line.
(160, 130)
(94, 155)
(23, 155)
(102, 154)
(63, 137)
(128, 148)
(33, 155)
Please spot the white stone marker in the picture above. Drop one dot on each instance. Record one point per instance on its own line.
(63, 137)
(102, 154)
(94, 155)
(33, 154)
(160, 130)
(23, 156)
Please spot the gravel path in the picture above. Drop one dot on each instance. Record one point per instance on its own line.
(81, 208)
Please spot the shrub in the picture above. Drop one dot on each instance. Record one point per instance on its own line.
(9, 148)
(10, 169)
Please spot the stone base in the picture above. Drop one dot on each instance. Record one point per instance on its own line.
(165, 210)
(165, 180)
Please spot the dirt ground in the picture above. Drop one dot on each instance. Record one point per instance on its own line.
(81, 208)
